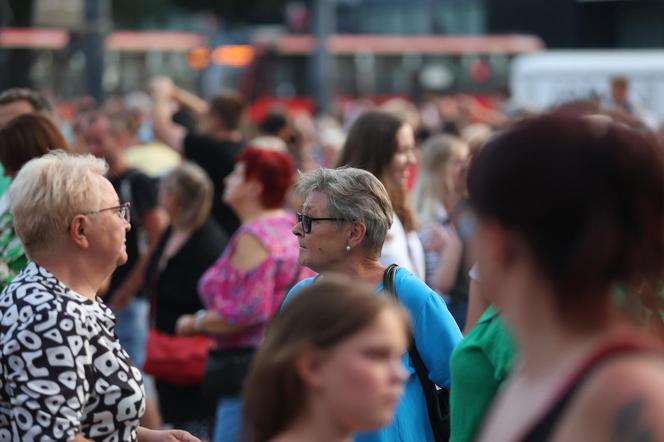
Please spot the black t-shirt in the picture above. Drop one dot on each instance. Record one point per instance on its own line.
(217, 158)
(137, 188)
(174, 288)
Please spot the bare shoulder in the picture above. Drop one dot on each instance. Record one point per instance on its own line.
(621, 402)
(248, 253)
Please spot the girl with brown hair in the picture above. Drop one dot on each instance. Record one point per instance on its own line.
(330, 365)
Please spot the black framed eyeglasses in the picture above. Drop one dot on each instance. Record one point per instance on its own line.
(123, 211)
(306, 221)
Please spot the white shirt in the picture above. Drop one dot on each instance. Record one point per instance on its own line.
(404, 249)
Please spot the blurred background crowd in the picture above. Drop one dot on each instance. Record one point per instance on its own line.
(207, 112)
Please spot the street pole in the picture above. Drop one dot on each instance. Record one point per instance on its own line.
(322, 63)
(97, 22)
(5, 19)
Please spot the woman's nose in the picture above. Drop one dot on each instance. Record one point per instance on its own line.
(412, 159)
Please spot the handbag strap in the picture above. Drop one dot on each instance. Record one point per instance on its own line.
(428, 386)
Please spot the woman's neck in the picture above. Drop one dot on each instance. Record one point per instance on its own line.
(75, 272)
(449, 200)
(177, 239)
(545, 340)
(250, 211)
(181, 230)
(357, 266)
(316, 425)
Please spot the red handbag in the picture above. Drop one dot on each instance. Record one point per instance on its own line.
(177, 359)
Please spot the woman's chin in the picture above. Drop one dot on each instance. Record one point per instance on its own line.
(122, 259)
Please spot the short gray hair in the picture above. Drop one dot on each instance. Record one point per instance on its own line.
(353, 195)
(194, 192)
(48, 192)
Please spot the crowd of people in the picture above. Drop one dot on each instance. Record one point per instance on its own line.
(175, 272)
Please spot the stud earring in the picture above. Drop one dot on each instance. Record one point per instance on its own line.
(348, 248)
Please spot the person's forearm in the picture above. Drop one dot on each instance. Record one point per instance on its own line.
(164, 128)
(213, 324)
(190, 101)
(143, 434)
(79, 438)
(448, 269)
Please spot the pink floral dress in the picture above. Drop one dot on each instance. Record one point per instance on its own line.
(252, 297)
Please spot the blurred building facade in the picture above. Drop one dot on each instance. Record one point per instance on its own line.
(572, 24)
(577, 24)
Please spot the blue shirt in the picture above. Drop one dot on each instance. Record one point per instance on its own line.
(436, 334)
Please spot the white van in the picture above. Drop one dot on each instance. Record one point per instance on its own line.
(547, 78)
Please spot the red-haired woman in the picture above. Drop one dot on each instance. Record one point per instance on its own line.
(244, 288)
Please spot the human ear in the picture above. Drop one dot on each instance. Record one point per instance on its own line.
(501, 249)
(256, 187)
(309, 367)
(78, 231)
(356, 234)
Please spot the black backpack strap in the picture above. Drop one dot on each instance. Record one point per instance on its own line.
(388, 280)
(428, 387)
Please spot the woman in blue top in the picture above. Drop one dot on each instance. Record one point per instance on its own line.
(345, 217)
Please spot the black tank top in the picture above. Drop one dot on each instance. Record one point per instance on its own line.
(544, 429)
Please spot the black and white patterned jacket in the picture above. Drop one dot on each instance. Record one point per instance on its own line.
(62, 369)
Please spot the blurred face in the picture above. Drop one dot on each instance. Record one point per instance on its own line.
(454, 172)
(325, 245)
(99, 140)
(619, 91)
(107, 229)
(12, 110)
(404, 156)
(362, 378)
(209, 124)
(168, 201)
(235, 185)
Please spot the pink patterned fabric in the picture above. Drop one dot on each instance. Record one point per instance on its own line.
(252, 297)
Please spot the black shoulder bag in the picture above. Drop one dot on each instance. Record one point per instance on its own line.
(437, 399)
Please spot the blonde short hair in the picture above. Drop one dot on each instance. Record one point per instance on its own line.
(48, 192)
(194, 192)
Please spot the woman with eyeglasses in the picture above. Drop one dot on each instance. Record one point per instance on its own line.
(245, 286)
(63, 371)
(345, 217)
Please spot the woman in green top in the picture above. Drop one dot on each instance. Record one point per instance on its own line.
(479, 365)
(25, 137)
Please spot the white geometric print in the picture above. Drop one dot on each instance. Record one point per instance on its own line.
(62, 369)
